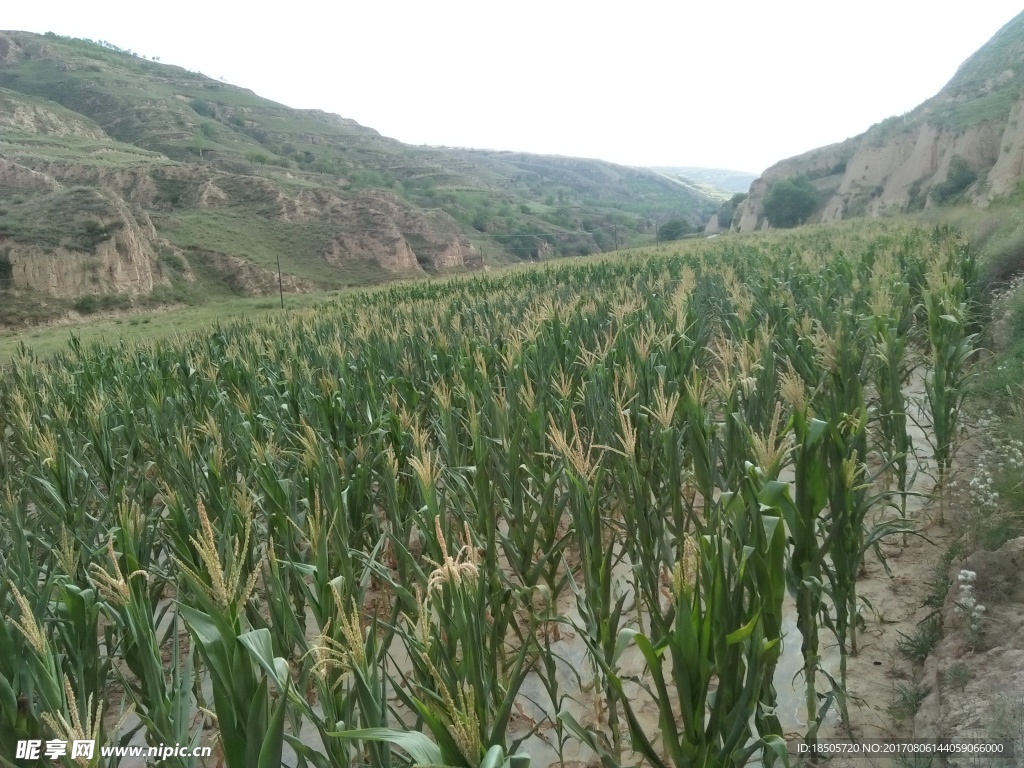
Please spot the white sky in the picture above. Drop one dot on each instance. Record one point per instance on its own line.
(736, 85)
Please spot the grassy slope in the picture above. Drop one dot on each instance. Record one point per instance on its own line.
(983, 89)
(985, 86)
(149, 325)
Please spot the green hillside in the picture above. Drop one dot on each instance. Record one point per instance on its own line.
(211, 167)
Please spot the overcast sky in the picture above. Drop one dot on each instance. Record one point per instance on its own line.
(736, 85)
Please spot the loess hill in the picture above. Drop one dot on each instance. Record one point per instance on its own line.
(964, 145)
(127, 181)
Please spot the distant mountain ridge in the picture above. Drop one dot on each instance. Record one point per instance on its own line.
(964, 144)
(124, 179)
(727, 181)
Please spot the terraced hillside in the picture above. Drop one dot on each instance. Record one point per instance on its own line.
(127, 180)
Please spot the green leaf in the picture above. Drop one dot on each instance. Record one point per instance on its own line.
(626, 636)
(201, 624)
(817, 429)
(305, 752)
(743, 632)
(256, 725)
(588, 737)
(260, 646)
(420, 748)
(8, 701)
(494, 758)
(777, 745)
(273, 743)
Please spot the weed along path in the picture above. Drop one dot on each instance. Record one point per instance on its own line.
(616, 512)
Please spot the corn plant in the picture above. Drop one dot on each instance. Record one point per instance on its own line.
(713, 668)
(251, 730)
(575, 431)
(464, 687)
(803, 515)
(951, 348)
(890, 325)
(600, 608)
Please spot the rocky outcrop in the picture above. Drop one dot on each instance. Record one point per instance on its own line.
(391, 252)
(244, 278)
(19, 113)
(1008, 170)
(372, 225)
(18, 178)
(125, 263)
(378, 225)
(898, 172)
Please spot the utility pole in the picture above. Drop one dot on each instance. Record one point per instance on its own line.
(280, 283)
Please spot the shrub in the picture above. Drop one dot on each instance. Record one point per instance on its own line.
(172, 260)
(86, 304)
(6, 268)
(90, 304)
(959, 177)
(204, 108)
(790, 201)
(673, 230)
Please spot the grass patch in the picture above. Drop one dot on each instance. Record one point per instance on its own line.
(957, 676)
(938, 587)
(19, 309)
(906, 701)
(88, 305)
(243, 233)
(300, 245)
(78, 219)
(81, 150)
(988, 108)
(916, 647)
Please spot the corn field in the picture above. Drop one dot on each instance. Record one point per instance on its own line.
(549, 513)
